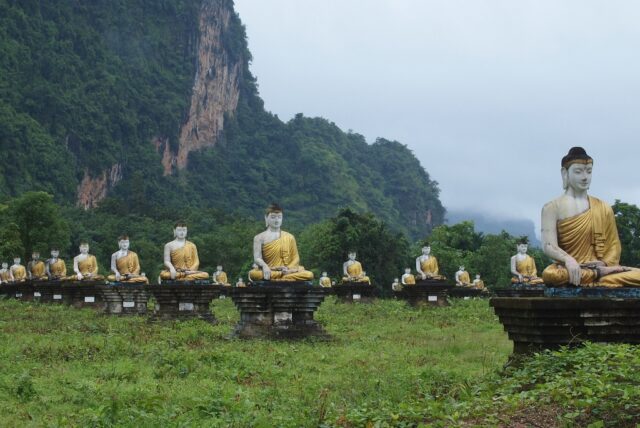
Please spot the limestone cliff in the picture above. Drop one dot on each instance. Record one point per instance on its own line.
(92, 190)
(215, 88)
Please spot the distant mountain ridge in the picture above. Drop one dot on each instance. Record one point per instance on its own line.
(488, 224)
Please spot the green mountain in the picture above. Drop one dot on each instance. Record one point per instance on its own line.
(148, 106)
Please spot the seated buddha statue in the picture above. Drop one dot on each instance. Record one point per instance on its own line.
(36, 269)
(523, 266)
(462, 277)
(579, 232)
(85, 265)
(55, 267)
(241, 283)
(276, 252)
(395, 285)
(325, 281)
(352, 270)
(427, 265)
(220, 277)
(181, 258)
(407, 278)
(5, 274)
(18, 271)
(125, 264)
(478, 283)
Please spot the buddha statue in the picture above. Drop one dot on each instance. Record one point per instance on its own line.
(181, 258)
(395, 285)
(220, 277)
(579, 232)
(478, 283)
(325, 281)
(55, 267)
(85, 265)
(5, 274)
(352, 270)
(18, 271)
(36, 269)
(462, 277)
(427, 265)
(276, 253)
(523, 267)
(125, 264)
(408, 278)
(241, 283)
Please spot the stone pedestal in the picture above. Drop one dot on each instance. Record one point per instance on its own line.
(85, 294)
(183, 300)
(8, 291)
(520, 290)
(125, 299)
(427, 292)
(569, 317)
(275, 310)
(350, 292)
(467, 293)
(23, 291)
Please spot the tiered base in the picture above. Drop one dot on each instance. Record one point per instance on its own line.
(279, 310)
(467, 292)
(521, 290)
(426, 292)
(350, 292)
(183, 300)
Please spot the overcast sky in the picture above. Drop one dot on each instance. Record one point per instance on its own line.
(489, 95)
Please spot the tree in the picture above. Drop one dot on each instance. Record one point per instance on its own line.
(628, 222)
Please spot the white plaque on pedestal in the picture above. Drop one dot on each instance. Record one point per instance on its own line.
(356, 297)
(433, 298)
(89, 299)
(37, 294)
(467, 297)
(18, 294)
(282, 316)
(57, 297)
(185, 306)
(128, 304)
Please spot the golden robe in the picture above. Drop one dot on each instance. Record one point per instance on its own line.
(430, 268)
(58, 270)
(5, 276)
(409, 279)
(282, 252)
(37, 270)
(478, 284)
(464, 279)
(185, 259)
(89, 270)
(19, 273)
(221, 278)
(325, 281)
(587, 237)
(129, 265)
(527, 268)
(354, 270)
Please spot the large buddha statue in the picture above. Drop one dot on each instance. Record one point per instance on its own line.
(276, 253)
(36, 269)
(125, 264)
(220, 277)
(523, 266)
(55, 267)
(18, 271)
(5, 274)
(325, 281)
(408, 278)
(352, 270)
(85, 265)
(579, 232)
(427, 265)
(462, 277)
(181, 258)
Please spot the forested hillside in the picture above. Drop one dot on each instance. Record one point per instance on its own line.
(146, 107)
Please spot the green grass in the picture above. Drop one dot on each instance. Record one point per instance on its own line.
(387, 365)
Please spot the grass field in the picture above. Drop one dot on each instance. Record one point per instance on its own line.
(387, 365)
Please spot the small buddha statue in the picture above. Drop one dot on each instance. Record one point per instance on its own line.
(478, 283)
(408, 278)
(352, 270)
(579, 232)
(241, 283)
(5, 274)
(395, 285)
(523, 266)
(275, 252)
(55, 267)
(325, 281)
(18, 271)
(36, 269)
(427, 265)
(125, 264)
(85, 265)
(181, 258)
(220, 277)
(462, 277)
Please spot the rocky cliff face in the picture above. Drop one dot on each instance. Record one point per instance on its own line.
(92, 190)
(215, 89)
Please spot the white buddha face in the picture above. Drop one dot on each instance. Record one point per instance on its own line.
(16, 260)
(426, 250)
(478, 276)
(407, 271)
(5, 265)
(324, 274)
(522, 248)
(273, 220)
(219, 268)
(352, 255)
(577, 176)
(395, 279)
(180, 232)
(35, 256)
(84, 249)
(123, 244)
(55, 254)
(461, 268)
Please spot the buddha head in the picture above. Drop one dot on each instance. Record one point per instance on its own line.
(461, 268)
(5, 265)
(35, 256)
(55, 253)
(16, 260)
(180, 230)
(426, 250)
(407, 271)
(395, 280)
(240, 280)
(324, 274)
(478, 276)
(576, 170)
(84, 248)
(352, 255)
(219, 268)
(273, 216)
(123, 242)
(523, 245)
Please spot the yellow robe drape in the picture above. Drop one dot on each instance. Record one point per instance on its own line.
(527, 268)
(185, 258)
(464, 278)
(325, 281)
(478, 284)
(129, 265)
(37, 270)
(5, 276)
(221, 278)
(19, 273)
(282, 252)
(409, 279)
(587, 237)
(58, 270)
(89, 270)
(430, 268)
(354, 270)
